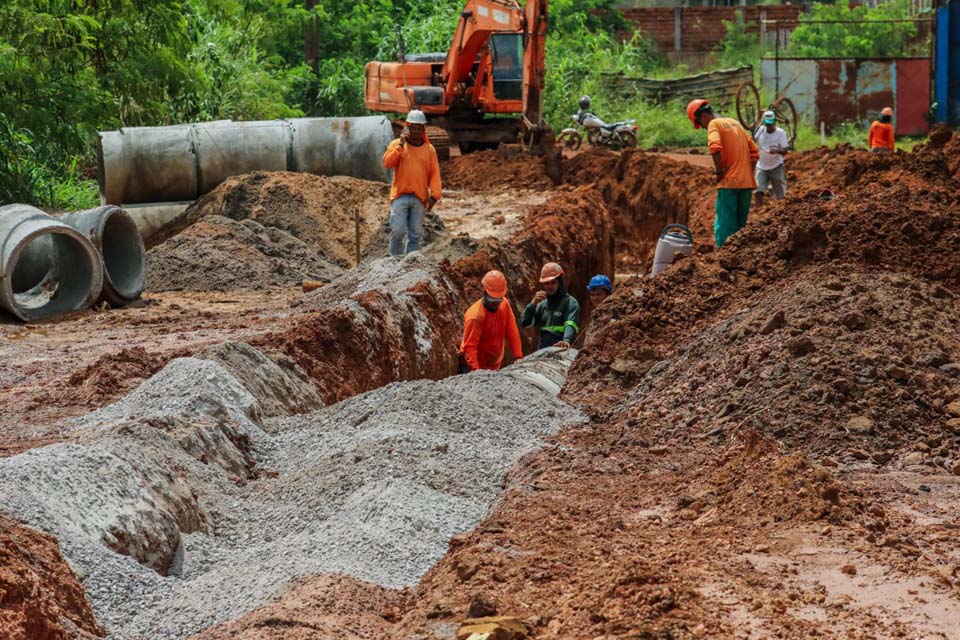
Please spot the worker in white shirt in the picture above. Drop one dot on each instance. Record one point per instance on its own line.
(771, 172)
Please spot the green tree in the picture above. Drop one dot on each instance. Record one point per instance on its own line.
(861, 37)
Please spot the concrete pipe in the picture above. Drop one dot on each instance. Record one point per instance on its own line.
(47, 268)
(183, 162)
(341, 146)
(114, 233)
(146, 164)
(225, 149)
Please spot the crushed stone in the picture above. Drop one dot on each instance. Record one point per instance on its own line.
(373, 487)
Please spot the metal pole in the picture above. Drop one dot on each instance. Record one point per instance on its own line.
(776, 61)
(940, 63)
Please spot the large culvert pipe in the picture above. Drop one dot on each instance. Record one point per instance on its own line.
(137, 163)
(114, 233)
(46, 267)
(341, 146)
(183, 162)
(225, 149)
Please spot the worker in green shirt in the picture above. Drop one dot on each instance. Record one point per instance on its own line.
(554, 311)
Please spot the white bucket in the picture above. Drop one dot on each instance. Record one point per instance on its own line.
(674, 239)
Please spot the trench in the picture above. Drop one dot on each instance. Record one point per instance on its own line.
(206, 492)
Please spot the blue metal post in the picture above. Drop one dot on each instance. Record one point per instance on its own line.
(953, 65)
(941, 63)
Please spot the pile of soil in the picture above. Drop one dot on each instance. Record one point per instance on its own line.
(327, 606)
(319, 210)
(220, 254)
(115, 373)
(903, 215)
(41, 596)
(491, 169)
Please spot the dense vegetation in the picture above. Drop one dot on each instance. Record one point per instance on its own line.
(69, 68)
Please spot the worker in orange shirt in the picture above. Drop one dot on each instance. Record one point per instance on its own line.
(881, 133)
(735, 156)
(416, 182)
(486, 325)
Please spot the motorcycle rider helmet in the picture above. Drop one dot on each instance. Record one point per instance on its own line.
(584, 102)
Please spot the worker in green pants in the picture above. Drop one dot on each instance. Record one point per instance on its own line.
(735, 156)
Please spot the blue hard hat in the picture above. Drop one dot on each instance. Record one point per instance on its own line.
(600, 282)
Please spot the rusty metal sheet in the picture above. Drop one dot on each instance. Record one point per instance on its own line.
(912, 96)
(837, 91)
(876, 81)
(798, 81)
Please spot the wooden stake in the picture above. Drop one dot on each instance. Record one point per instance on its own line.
(823, 134)
(356, 228)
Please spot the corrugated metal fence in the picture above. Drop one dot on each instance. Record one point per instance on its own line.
(836, 90)
(720, 87)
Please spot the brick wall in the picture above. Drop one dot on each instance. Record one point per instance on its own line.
(701, 28)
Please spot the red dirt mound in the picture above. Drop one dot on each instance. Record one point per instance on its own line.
(886, 222)
(113, 374)
(326, 606)
(488, 170)
(40, 597)
(319, 210)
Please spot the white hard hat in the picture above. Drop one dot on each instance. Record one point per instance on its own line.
(769, 117)
(416, 117)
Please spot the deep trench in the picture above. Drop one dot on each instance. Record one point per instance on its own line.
(619, 235)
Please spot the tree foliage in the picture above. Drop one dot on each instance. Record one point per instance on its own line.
(864, 37)
(69, 68)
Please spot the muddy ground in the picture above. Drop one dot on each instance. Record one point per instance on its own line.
(774, 445)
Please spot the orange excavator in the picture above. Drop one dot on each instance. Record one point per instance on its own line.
(495, 66)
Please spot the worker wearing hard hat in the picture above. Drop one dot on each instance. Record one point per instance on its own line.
(486, 325)
(881, 133)
(416, 183)
(599, 288)
(771, 172)
(554, 311)
(734, 156)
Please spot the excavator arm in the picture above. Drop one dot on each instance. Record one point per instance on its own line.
(534, 64)
(478, 21)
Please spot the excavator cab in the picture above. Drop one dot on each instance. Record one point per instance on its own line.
(506, 53)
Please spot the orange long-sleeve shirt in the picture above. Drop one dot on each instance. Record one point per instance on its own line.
(416, 170)
(881, 135)
(484, 334)
(738, 153)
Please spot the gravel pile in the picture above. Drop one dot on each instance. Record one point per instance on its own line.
(373, 487)
(220, 254)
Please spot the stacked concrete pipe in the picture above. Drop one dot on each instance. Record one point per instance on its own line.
(115, 235)
(183, 162)
(47, 268)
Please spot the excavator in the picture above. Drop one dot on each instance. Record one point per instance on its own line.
(495, 67)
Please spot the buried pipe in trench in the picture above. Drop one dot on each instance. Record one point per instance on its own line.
(47, 268)
(114, 233)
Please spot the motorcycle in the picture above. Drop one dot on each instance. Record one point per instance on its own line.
(617, 135)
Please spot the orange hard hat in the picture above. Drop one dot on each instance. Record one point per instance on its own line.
(550, 271)
(694, 107)
(494, 284)
(886, 111)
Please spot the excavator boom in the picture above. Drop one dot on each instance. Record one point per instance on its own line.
(495, 65)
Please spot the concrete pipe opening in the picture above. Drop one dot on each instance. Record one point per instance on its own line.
(114, 232)
(52, 268)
